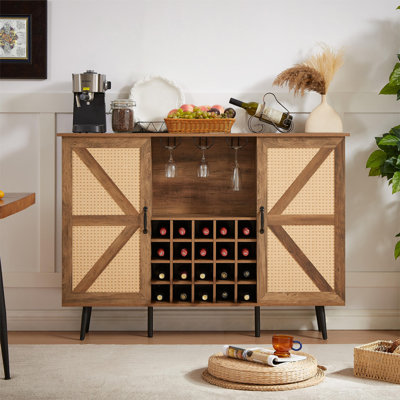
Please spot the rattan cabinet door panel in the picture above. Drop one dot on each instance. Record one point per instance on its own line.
(301, 252)
(106, 200)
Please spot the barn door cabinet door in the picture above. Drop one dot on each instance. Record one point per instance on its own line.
(301, 252)
(106, 201)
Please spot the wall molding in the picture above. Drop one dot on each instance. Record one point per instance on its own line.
(166, 319)
(343, 102)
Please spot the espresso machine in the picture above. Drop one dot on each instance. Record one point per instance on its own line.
(89, 102)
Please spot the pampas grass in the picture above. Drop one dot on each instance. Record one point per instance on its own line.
(313, 75)
(301, 78)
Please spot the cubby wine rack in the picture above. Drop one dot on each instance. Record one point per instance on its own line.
(203, 261)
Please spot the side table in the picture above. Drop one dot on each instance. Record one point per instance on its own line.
(10, 204)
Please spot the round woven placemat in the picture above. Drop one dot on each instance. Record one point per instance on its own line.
(319, 377)
(240, 371)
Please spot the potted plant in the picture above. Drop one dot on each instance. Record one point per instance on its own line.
(385, 161)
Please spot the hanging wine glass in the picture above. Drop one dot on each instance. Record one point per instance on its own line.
(170, 166)
(236, 180)
(203, 170)
(236, 173)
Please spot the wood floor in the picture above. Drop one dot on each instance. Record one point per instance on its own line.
(306, 337)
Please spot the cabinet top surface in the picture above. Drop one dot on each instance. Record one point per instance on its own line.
(216, 134)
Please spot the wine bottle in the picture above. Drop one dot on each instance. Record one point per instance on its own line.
(159, 297)
(161, 276)
(223, 252)
(163, 231)
(182, 231)
(160, 252)
(223, 231)
(183, 296)
(183, 275)
(224, 295)
(246, 297)
(203, 252)
(202, 275)
(224, 275)
(246, 231)
(246, 274)
(245, 252)
(204, 296)
(184, 252)
(267, 114)
(205, 231)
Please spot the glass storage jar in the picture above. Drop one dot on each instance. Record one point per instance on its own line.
(122, 115)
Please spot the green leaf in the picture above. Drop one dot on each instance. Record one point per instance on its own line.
(394, 77)
(376, 159)
(389, 140)
(398, 162)
(395, 131)
(398, 235)
(390, 88)
(398, 95)
(398, 8)
(398, 55)
(397, 250)
(396, 182)
(374, 171)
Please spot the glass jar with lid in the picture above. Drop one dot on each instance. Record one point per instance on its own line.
(122, 115)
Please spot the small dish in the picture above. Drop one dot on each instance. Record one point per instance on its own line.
(155, 96)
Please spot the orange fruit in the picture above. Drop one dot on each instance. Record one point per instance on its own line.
(1, 194)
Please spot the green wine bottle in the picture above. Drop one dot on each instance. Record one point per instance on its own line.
(264, 113)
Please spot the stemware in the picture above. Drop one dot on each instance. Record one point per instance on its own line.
(236, 173)
(203, 170)
(170, 166)
(236, 179)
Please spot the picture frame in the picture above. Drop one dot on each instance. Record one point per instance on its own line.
(23, 39)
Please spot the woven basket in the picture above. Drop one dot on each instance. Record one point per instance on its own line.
(181, 125)
(372, 364)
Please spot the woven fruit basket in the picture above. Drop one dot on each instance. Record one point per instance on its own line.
(372, 364)
(182, 125)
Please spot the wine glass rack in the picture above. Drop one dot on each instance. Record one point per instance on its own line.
(203, 261)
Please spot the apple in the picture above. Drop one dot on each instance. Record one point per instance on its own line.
(172, 112)
(204, 108)
(187, 108)
(219, 108)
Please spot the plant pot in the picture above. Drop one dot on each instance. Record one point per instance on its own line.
(324, 119)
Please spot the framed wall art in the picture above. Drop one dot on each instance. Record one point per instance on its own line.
(23, 39)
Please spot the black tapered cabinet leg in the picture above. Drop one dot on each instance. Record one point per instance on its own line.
(150, 321)
(321, 320)
(3, 329)
(88, 320)
(85, 321)
(257, 321)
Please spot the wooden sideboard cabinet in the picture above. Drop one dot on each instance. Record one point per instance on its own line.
(132, 237)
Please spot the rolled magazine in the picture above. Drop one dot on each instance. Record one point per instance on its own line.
(259, 355)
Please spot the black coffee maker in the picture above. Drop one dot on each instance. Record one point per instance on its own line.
(89, 102)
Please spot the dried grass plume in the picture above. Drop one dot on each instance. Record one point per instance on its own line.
(315, 74)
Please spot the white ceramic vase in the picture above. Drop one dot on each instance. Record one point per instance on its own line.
(324, 119)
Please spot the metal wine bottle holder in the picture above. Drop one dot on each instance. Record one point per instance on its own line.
(257, 126)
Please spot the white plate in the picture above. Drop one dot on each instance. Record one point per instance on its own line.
(155, 96)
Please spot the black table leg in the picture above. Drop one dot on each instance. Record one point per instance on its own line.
(257, 321)
(88, 319)
(150, 321)
(321, 319)
(3, 329)
(318, 318)
(84, 321)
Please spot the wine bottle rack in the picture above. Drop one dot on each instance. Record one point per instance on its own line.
(203, 261)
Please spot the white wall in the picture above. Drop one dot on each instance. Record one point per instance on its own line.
(214, 50)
